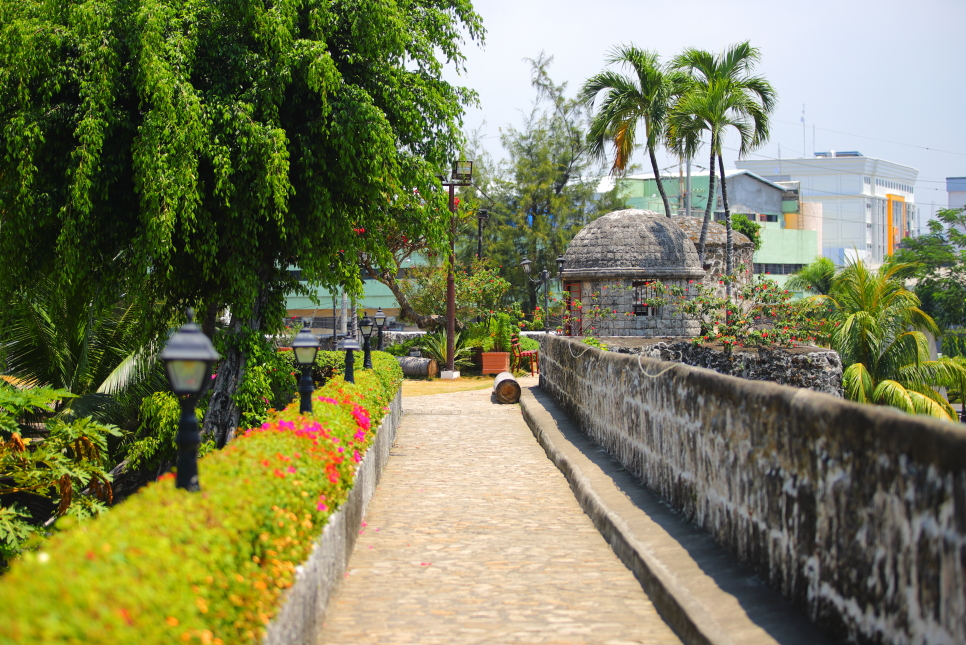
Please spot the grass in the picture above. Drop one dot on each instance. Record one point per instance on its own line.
(423, 387)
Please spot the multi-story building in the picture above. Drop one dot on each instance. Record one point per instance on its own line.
(868, 205)
(956, 190)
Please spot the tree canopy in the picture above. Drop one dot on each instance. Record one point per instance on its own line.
(187, 152)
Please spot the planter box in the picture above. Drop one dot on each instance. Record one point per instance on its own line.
(496, 362)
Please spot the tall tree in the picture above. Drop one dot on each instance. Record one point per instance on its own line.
(723, 94)
(643, 95)
(188, 152)
(545, 189)
(939, 266)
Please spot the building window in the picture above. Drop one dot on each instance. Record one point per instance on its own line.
(643, 291)
(778, 269)
(295, 274)
(769, 218)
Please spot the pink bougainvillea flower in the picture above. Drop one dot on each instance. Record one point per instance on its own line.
(356, 456)
(291, 469)
(321, 506)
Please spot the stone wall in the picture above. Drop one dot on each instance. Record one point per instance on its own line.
(855, 513)
(617, 295)
(815, 368)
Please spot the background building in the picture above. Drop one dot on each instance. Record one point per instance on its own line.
(956, 190)
(867, 204)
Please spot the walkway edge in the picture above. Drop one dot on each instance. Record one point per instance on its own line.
(708, 615)
(673, 602)
(302, 614)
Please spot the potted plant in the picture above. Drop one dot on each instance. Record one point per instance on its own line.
(501, 332)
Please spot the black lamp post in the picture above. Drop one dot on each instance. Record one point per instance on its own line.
(349, 345)
(366, 328)
(543, 280)
(462, 175)
(380, 319)
(305, 346)
(188, 358)
(481, 216)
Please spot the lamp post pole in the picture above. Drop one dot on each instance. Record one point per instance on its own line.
(349, 345)
(451, 285)
(380, 320)
(462, 176)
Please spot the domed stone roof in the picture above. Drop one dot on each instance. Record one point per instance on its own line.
(632, 243)
(717, 233)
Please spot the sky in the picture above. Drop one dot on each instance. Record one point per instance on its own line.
(884, 77)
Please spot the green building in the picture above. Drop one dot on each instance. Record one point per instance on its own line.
(792, 229)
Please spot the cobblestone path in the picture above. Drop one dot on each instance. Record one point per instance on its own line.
(474, 536)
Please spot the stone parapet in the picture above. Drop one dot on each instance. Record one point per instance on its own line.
(855, 513)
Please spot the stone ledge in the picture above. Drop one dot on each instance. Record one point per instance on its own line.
(300, 618)
(706, 596)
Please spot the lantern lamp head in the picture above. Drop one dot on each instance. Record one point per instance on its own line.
(560, 263)
(348, 344)
(188, 358)
(483, 214)
(380, 318)
(525, 263)
(305, 346)
(365, 326)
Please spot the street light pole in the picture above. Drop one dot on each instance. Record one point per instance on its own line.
(451, 286)
(462, 176)
(481, 217)
(544, 281)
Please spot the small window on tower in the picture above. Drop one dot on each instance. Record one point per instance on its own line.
(643, 291)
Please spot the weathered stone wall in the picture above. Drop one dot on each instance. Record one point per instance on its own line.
(617, 295)
(815, 368)
(857, 514)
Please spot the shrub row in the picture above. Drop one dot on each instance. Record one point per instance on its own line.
(169, 566)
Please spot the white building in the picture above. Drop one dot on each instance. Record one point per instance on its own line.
(867, 204)
(956, 189)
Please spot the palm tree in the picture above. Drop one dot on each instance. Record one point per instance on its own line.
(816, 277)
(877, 322)
(642, 96)
(63, 339)
(723, 93)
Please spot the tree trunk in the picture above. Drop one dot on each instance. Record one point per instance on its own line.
(660, 184)
(707, 209)
(429, 323)
(222, 415)
(729, 244)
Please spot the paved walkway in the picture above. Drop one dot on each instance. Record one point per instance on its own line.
(474, 536)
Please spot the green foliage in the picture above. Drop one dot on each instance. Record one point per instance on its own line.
(70, 459)
(645, 95)
(502, 330)
(181, 153)
(270, 383)
(751, 230)
(588, 316)
(760, 314)
(877, 334)
(168, 565)
(544, 191)
(816, 277)
(939, 265)
(479, 289)
(433, 345)
(70, 337)
(593, 341)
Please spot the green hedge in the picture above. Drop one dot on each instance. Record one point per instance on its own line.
(167, 566)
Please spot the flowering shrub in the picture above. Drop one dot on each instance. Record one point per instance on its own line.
(587, 317)
(759, 314)
(170, 566)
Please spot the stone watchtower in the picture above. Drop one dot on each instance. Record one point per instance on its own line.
(616, 257)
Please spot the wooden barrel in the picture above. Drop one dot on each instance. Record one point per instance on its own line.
(505, 388)
(414, 367)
